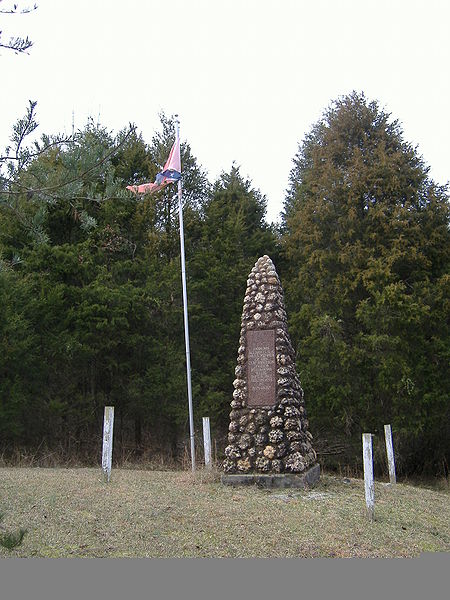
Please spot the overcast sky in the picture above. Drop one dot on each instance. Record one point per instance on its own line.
(248, 77)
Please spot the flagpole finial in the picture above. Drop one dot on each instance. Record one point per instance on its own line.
(177, 126)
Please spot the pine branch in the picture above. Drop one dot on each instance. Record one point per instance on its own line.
(16, 10)
(44, 190)
(17, 44)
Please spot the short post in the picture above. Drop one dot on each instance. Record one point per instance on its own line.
(368, 474)
(108, 424)
(207, 442)
(390, 454)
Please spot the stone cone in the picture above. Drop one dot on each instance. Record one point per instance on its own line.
(268, 431)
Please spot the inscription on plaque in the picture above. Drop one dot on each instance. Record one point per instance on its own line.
(261, 367)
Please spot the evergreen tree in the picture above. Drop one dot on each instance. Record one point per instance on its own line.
(234, 235)
(94, 287)
(367, 241)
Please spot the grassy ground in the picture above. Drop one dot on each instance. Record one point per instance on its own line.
(73, 513)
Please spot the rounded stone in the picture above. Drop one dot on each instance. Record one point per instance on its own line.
(260, 439)
(229, 466)
(281, 450)
(276, 436)
(295, 447)
(263, 464)
(269, 452)
(292, 411)
(295, 463)
(260, 418)
(292, 424)
(233, 427)
(277, 466)
(276, 422)
(243, 420)
(232, 451)
(244, 465)
(244, 441)
(283, 371)
(287, 399)
(251, 428)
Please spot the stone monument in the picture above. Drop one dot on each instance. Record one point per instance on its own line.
(269, 441)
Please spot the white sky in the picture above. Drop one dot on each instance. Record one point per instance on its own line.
(247, 77)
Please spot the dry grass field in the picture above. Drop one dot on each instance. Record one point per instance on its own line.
(73, 513)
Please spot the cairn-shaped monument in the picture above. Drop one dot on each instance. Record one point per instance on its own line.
(269, 441)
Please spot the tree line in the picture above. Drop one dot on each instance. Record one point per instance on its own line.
(91, 298)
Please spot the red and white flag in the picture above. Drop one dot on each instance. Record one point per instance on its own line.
(171, 172)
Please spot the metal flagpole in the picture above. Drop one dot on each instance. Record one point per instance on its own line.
(185, 309)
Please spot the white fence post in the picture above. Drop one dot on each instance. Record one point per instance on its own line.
(390, 453)
(368, 474)
(108, 424)
(207, 442)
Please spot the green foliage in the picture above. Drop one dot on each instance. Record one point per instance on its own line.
(94, 307)
(13, 539)
(90, 287)
(233, 236)
(367, 241)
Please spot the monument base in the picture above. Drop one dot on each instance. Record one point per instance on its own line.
(283, 480)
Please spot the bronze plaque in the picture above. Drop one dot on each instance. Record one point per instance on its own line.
(261, 372)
